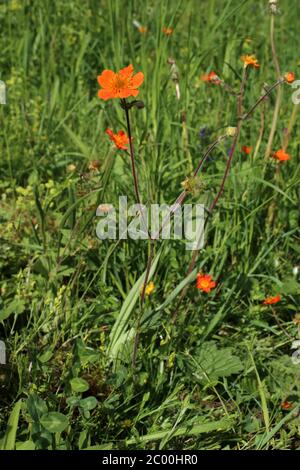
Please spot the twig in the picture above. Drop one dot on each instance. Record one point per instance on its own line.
(261, 132)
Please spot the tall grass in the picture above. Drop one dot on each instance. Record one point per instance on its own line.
(69, 302)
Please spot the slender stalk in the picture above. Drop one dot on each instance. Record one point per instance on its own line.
(240, 97)
(228, 88)
(138, 199)
(177, 203)
(184, 194)
(261, 98)
(185, 140)
(261, 133)
(279, 91)
(133, 167)
(235, 141)
(279, 324)
(274, 123)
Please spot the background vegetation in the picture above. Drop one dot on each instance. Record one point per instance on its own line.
(217, 379)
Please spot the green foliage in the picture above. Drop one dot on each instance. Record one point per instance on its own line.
(54, 422)
(218, 377)
(211, 363)
(9, 439)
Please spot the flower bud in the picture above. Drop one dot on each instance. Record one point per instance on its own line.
(231, 131)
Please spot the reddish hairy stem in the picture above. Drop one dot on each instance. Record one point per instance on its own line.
(279, 92)
(279, 82)
(177, 204)
(138, 199)
(134, 173)
(184, 194)
(225, 176)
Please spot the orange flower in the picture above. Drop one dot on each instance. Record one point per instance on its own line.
(143, 29)
(289, 77)
(272, 300)
(211, 77)
(168, 31)
(250, 60)
(120, 139)
(205, 282)
(286, 405)
(281, 155)
(246, 149)
(119, 85)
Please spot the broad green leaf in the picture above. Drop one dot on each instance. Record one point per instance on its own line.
(212, 363)
(16, 307)
(36, 407)
(54, 421)
(26, 445)
(45, 357)
(88, 403)
(79, 385)
(73, 401)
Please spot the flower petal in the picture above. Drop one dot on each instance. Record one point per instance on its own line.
(126, 92)
(127, 70)
(134, 92)
(109, 132)
(105, 94)
(137, 79)
(106, 78)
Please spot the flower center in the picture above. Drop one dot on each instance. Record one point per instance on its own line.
(120, 83)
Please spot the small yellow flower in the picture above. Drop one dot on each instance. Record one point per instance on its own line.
(150, 288)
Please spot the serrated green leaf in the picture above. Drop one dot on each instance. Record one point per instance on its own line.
(212, 363)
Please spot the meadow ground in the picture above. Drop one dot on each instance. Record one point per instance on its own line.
(222, 376)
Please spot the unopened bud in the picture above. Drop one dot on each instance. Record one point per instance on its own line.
(139, 104)
(192, 184)
(231, 131)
